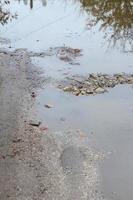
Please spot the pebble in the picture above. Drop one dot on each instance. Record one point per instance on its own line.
(96, 83)
(100, 90)
(49, 106)
(35, 123)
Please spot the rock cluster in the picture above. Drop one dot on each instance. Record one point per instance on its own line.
(95, 83)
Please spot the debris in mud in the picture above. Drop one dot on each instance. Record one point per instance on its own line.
(43, 128)
(82, 135)
(48, 106)
(4, 41)
(42, 188)
(94, 83)
(35, 123)
(63, 119)
(17, 140)
(14, 151)
(66, 54)
(33, 95)
(2, 156)
(100, 90)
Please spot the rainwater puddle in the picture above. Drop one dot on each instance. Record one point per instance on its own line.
(67, 23)
(107, 119)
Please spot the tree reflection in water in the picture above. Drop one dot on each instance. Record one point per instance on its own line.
(31, 2)
(5, 15)
(115, 18)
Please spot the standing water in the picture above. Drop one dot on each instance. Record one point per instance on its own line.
(103, 30)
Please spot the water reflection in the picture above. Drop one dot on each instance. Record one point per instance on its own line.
(115, 18)
(31, 2)
(5, 15)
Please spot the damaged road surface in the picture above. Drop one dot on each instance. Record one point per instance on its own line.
(66, 93)
(37, 164)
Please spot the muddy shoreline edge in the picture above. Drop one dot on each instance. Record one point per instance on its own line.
(33, 162)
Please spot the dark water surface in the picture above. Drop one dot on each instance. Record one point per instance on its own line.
(103, 29)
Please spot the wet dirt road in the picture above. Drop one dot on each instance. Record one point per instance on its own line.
(60, 159)
(34, 163)
(14, 103)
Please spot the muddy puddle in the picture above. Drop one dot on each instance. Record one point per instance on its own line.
(106, 44)
(69, 23)
(107, 121)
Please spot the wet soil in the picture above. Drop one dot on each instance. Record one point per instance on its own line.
(104, 122)
(37, 163)
(17, 82)
(59, 158)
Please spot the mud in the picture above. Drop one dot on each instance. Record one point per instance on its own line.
(46, 161)
(35, 163)
(17, 82)
(66, 54)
